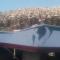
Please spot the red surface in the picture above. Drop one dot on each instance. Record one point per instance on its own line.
(30, 48)
(21, 47)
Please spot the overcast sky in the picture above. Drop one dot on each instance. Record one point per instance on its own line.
(13, 4)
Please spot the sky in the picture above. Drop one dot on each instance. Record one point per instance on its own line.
(14, 4)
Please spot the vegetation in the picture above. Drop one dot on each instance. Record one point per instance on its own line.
(23, 18)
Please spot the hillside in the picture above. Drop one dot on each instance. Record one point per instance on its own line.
(26, 17)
